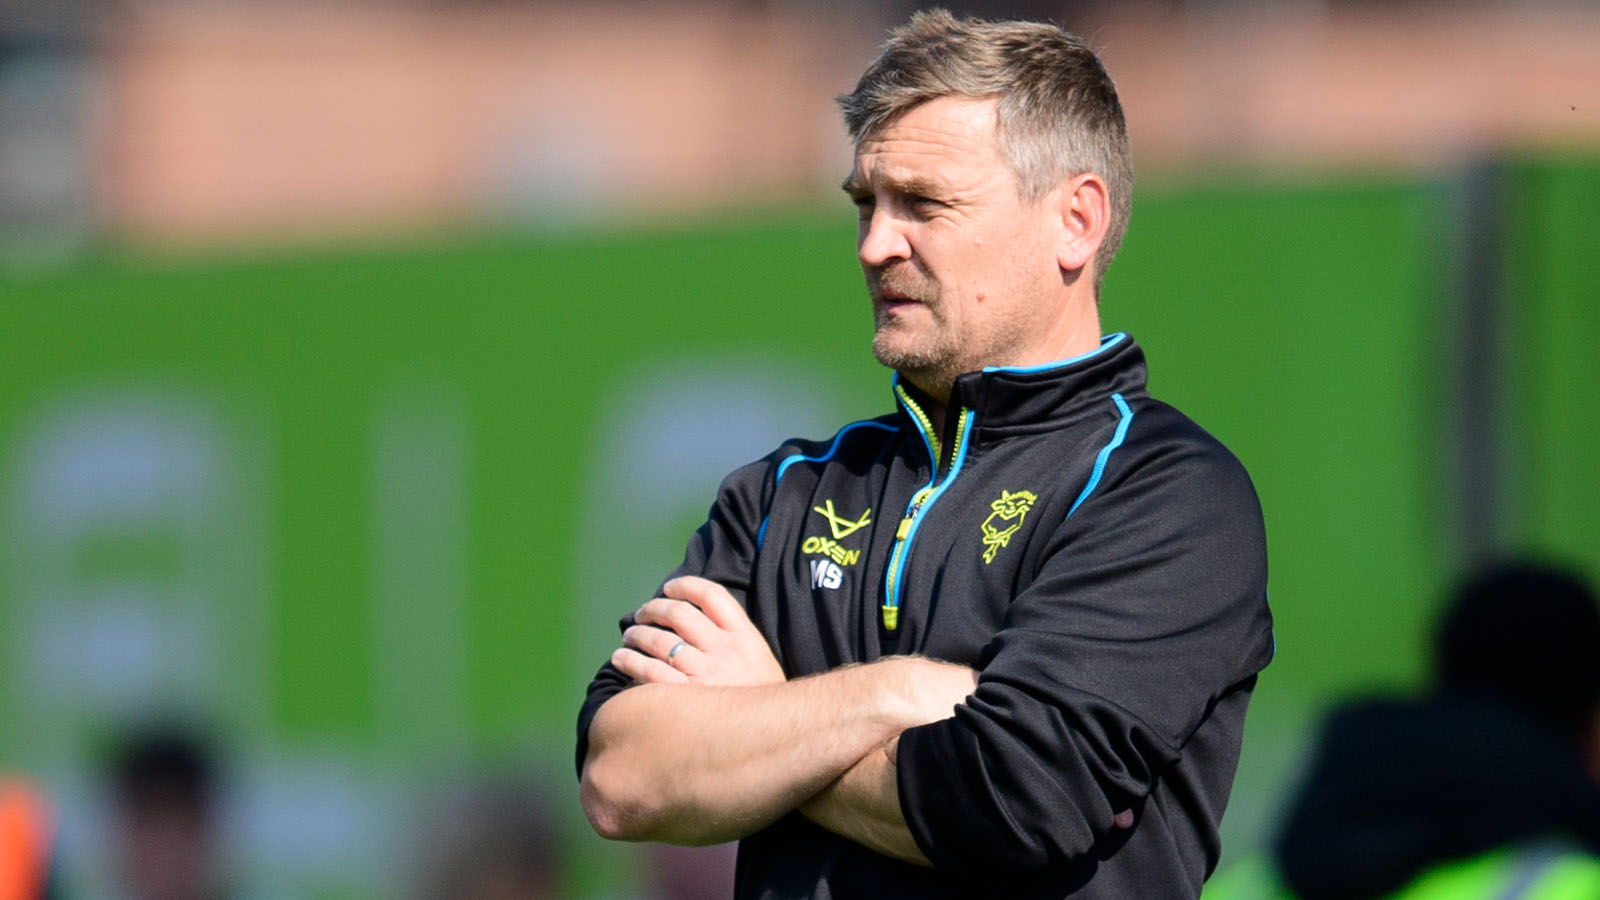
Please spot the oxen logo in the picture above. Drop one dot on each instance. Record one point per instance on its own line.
(839, 525)
(1007, 516)
(825, 573)
(841, 528)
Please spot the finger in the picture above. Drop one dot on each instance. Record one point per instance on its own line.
(686, 658)
(645, 669)
(665, 646)
(679, 616)
(714, 600)
(652, 641)
(1123, 820)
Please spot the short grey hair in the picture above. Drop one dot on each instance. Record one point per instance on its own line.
(1058, 113)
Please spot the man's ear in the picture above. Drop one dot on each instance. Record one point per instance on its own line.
(1085, 208)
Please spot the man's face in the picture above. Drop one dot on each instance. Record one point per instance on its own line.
(962, 273)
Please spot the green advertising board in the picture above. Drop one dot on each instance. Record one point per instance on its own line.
(371, 515)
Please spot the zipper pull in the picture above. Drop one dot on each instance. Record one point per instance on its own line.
(904, 528)
(891, 614)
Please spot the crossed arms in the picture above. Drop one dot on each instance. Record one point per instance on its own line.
(715, 744)
(1137, 638)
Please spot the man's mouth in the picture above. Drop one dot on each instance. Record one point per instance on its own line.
(896, 290)
(892, 299)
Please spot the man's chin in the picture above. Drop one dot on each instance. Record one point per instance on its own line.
(893, 355)
(930, 375)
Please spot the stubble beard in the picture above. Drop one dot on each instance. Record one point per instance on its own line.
(929, 355)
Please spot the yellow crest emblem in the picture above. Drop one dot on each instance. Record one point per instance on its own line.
(1005, 518)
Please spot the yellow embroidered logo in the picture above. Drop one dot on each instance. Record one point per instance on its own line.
(832, 549)
(840, 526)
(1006, 517)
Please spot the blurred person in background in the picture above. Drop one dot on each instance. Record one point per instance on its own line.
(165, 836)
(27, 837)
(490, 841)
(1486, 788)
(999, 642)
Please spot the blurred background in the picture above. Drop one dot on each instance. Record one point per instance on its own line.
(362, 362)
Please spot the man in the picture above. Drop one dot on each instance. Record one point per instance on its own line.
(1486, 788)
(1000, 641)
(165, 817)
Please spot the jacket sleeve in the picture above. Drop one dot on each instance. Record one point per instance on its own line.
(722, 550)
(1149, 604)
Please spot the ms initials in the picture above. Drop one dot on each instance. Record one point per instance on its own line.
(825, 573)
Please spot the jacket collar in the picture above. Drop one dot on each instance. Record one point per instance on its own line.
(1020, 399)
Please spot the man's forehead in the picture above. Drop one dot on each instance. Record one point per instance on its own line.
(928, 139)
(980, 112)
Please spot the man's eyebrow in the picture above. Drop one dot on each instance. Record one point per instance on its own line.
(920, 186)
(914, 185)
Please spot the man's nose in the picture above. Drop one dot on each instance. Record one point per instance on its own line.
(882, 240)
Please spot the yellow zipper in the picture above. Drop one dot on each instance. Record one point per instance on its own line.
(928, 431)
(919, 500)
(891, 614)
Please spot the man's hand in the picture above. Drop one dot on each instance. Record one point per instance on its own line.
(696, 633)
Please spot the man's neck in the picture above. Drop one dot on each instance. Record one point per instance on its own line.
(935, 410)
(1072, 336)
(933, 400)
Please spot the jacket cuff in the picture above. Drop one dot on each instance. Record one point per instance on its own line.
(949, 828)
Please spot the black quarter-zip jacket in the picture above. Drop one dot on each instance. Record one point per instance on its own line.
(1098, 557)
